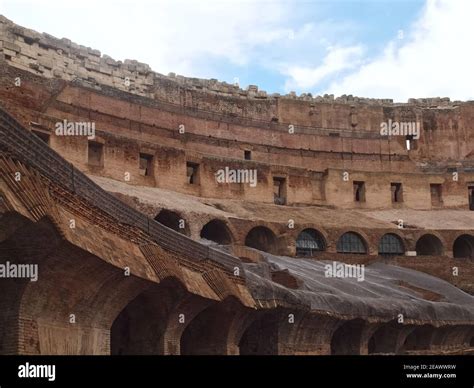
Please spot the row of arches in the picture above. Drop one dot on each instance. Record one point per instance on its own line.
(228, 328)
(146, 318)
(310, 241)
(215, 230)
(390, 244)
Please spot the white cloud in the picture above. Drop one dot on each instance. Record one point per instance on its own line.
(435, 59)
(337, 59)
(189, 37)
(182, 36)
(200, 37)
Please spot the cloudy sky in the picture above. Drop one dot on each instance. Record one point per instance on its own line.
(372, 48)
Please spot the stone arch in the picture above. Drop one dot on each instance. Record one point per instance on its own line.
(463, 246)
(352, 242)
(22, 242)
(71, 307)
(419, 339)
(429, 245)
(347, 339)
(388, 338)
(262, 238)
(217, 230)
(391, 244)
(138, 329)
(261, 336)
(309, 241)
(216, 330)
(452, 337)
(173, 220)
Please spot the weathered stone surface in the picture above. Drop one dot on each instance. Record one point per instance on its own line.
(222, 276)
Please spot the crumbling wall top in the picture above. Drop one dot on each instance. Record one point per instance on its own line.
(48, 56)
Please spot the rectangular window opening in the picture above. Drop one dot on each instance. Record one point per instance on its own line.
(146, 164)
(359, 191)
(410, 143)
(279, 191)
(397, 192)
(192, 171)
(247, 155)
(95, 156)
(436, 194)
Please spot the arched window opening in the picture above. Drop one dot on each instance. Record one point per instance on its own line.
(309, 242)
(351, 242)
(391, 244)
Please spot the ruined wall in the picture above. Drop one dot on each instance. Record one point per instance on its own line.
(136, 110)
(415, 189)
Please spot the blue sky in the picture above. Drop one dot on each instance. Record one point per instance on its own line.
(370, 48)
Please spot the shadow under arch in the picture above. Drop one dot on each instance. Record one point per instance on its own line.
(262, 335)
(419, 339)
(217, 230)
(138, 329)
(215, 330)
(347, 339)
(429, 245)
(263, 239)
(173, 220)
(463, 247)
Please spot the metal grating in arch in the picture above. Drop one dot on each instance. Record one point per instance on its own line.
(308, 242)
(391, 244)
(351, 242)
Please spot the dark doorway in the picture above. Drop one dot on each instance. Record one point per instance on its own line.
(261, 238)
(217, 231)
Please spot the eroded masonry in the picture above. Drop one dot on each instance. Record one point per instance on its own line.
(172, 215)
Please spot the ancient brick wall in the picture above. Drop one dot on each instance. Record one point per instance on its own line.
(136, 110)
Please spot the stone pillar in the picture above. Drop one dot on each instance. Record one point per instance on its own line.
(309, 334)
(217, 330)
(452, 337)
(351, 337)
(389, 338)
(180, 316)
